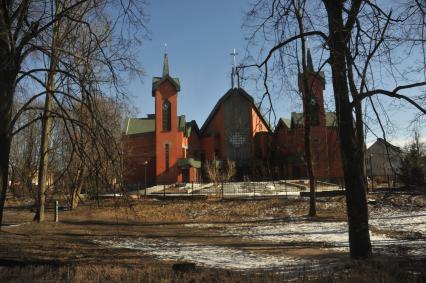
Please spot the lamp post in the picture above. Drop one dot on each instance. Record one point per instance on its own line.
(145, 165)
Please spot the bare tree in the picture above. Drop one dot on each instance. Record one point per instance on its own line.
(228, 170)
(361, 40)
(24, 156)
(220, 172)
(307, 97)
(25, 29)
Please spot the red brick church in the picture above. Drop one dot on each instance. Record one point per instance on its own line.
(164, 148)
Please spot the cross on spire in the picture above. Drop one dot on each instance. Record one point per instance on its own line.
(234, 54)
(234, 68)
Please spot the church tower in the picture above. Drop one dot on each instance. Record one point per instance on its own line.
(316, 83)
(167, 142)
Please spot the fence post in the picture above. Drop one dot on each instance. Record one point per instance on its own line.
(164, 191)
(286, 189)
(221, 191)
(254, 191)
(192, 191)
(56, 211)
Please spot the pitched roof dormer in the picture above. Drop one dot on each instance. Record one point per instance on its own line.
(157, 81)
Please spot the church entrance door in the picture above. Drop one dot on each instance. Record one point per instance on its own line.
(185, 175)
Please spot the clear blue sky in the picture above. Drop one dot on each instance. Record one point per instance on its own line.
(200, 35)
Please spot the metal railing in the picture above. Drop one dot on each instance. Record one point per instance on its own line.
(244, 190)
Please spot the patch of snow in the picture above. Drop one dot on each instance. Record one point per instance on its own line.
(199, 225)
(16, 225)
(333, 234)
(299, 232)
(214, 256)
(402, 221)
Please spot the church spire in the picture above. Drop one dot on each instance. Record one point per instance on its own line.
(309, 65)
(165, 65)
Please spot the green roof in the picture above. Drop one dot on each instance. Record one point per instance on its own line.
(330, 119)
(189, 162)
(133, 126)
(297, 120)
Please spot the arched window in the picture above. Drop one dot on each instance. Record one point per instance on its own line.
(167, 116)
(314, 108)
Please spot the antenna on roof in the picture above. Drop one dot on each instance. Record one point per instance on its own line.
(234, 67)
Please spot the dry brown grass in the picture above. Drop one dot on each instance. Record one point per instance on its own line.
(152, 211)
(64, 252)
(377, 270)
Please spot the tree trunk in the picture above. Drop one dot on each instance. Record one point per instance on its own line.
(44, 150)
(360, 140)
(43, 171)
(308, 153)
(306, 99)
(77, 189)
(6, 100)
(8, 73)
(356, 201)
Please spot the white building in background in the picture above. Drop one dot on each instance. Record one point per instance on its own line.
(383, 160)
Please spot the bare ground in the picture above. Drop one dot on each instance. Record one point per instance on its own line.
(70, 250)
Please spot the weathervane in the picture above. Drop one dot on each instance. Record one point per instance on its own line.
(165, 48)
(234, 68)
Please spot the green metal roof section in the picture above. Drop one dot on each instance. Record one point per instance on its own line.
(189, 162)
(297, 120)
(331, 119)
(157, 81)
(134, 126)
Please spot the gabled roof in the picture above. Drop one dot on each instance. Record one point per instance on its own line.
(191, 127)
(284, 122)
(134, 126)
(157, 81)
(232, 91)
(386, 144)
